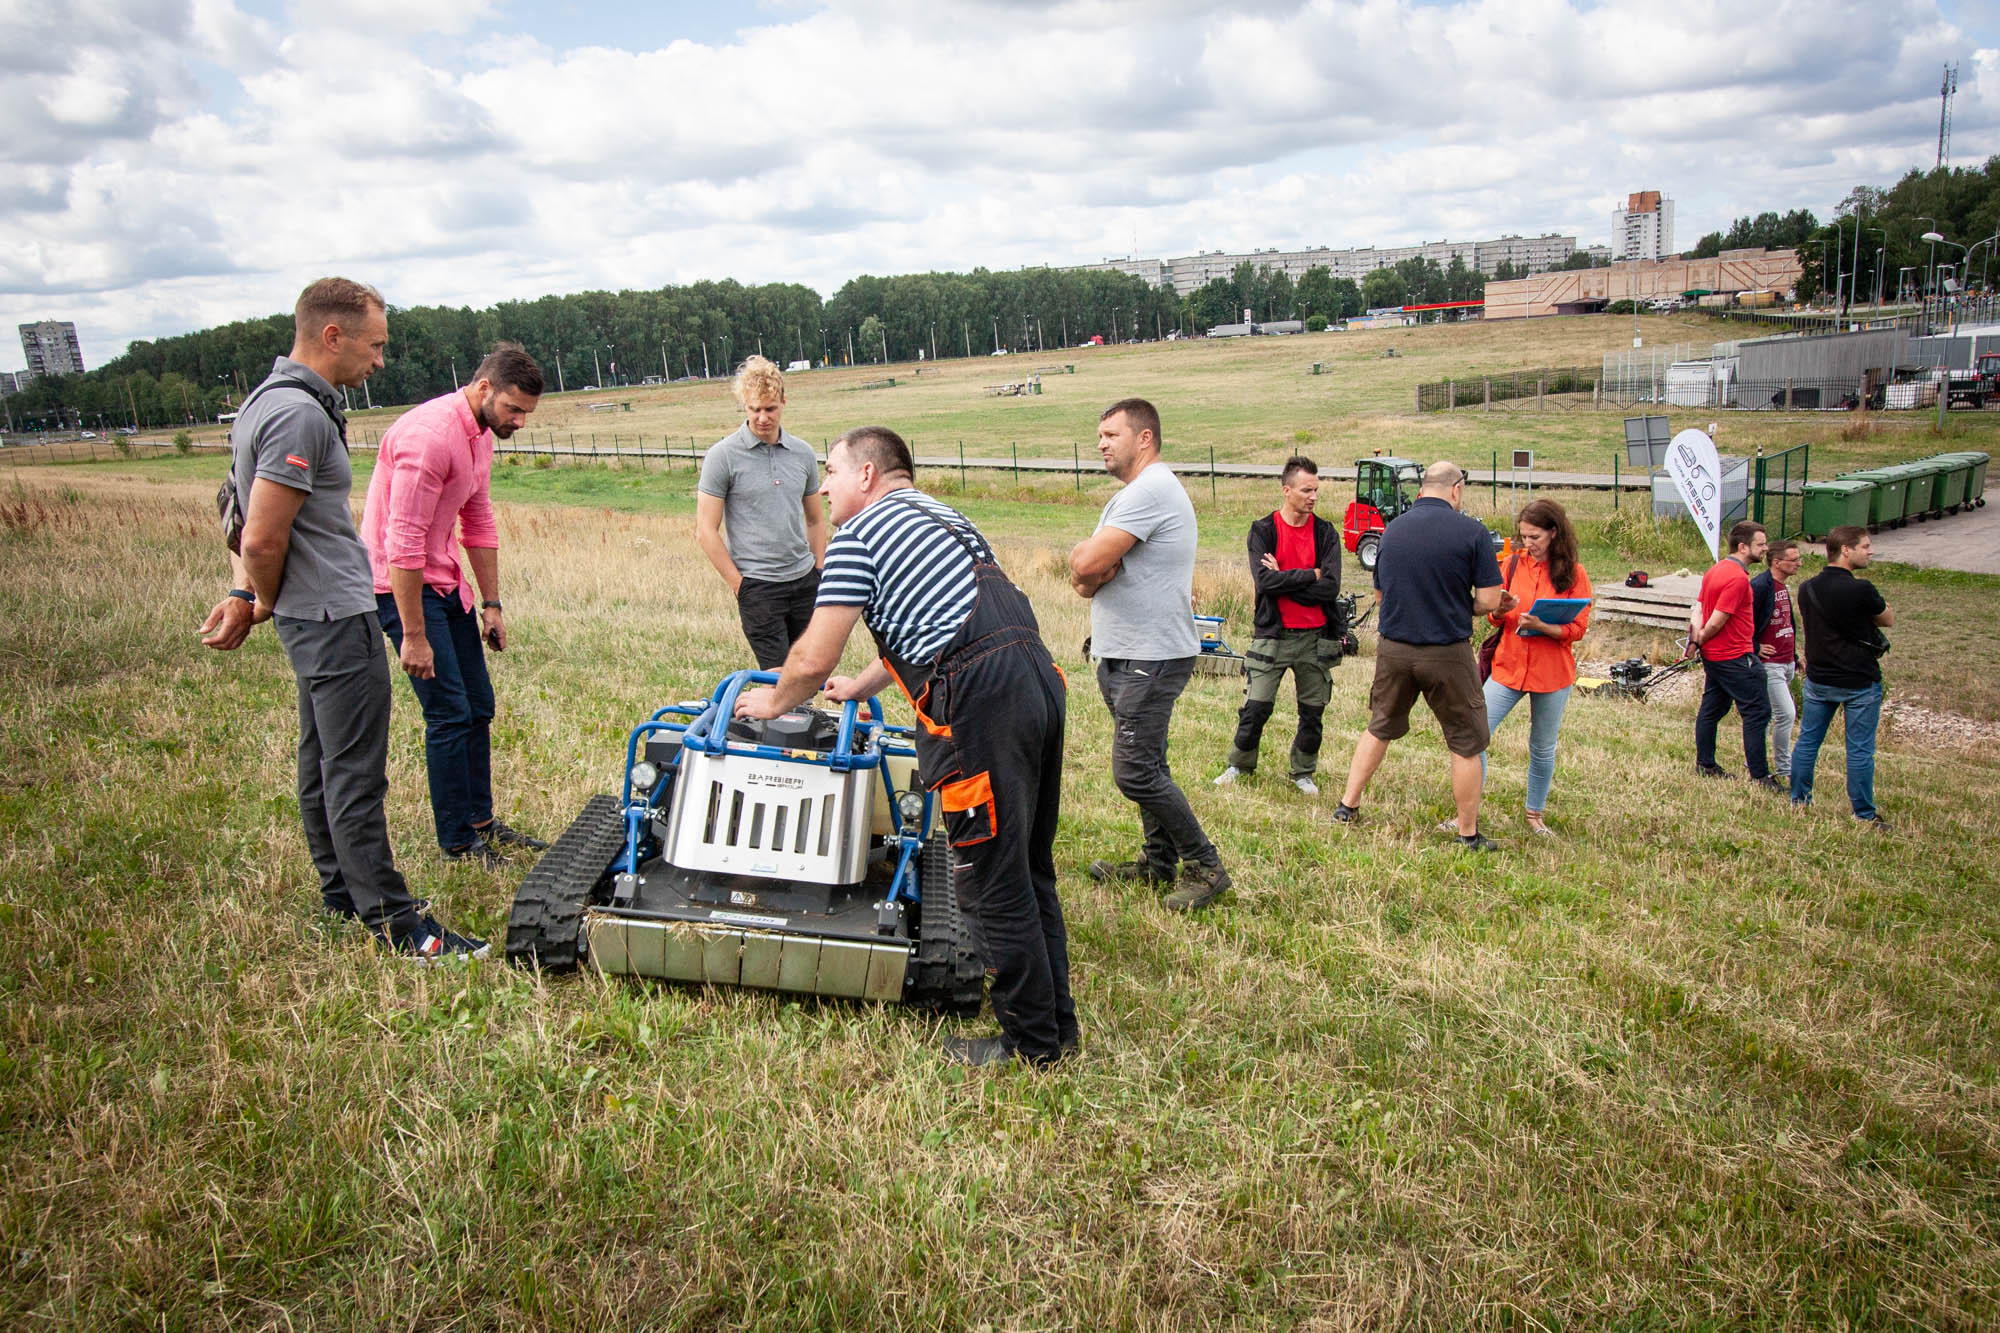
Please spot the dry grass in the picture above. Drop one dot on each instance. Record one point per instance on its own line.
(1699, 1063)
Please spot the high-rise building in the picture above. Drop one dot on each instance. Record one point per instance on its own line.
(1644, 228)
(51, 348)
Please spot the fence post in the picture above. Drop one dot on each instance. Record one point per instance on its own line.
(1788, 393)
(1420, 398)
(1540, 385)
(1211, 474)
(1016, 446)
(1450, 396)
(1486, 392)
(1076, 463)
(1616, 489)
(1493, 476)
(1757, 496)
(961, 466)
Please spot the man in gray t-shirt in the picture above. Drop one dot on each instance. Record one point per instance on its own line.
(301, 565)
(1137, 569)
(759, 518)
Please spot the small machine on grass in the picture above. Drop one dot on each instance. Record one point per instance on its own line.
(1633, 677)
(1216, 658)
(798, 854)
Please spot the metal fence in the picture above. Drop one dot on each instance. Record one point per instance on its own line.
(1509, 386)
(1777, 491)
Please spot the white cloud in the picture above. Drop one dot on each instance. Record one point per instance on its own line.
(421, 145)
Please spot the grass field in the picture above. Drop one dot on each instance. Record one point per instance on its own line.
(1255, 400)
(1699, 1063)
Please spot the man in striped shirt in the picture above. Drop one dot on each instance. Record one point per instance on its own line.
(961, 641)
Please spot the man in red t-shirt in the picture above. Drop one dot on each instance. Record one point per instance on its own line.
(1724, 628)
(1295, 568)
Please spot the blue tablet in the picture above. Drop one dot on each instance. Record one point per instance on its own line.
(1554, 611)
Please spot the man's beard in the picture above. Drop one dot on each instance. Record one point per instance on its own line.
(500, 431)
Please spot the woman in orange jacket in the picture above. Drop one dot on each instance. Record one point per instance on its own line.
(1535, 660)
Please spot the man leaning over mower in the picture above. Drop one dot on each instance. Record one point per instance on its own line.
(961, 641)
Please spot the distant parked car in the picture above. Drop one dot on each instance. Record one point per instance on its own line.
(89, 435)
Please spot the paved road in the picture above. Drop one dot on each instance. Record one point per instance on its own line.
(1967, 541)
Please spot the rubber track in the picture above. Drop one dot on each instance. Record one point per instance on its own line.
(547, 920)
(949, 975)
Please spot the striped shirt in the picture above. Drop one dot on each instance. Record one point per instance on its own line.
(911, 578)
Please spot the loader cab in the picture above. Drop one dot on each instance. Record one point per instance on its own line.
(1383, 489)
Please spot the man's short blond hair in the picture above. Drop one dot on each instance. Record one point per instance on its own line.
(757, 377)
(341, 301)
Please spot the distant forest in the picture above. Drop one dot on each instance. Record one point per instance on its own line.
(707, 328)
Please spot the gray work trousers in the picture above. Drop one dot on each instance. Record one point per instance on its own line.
(1141, 697)
(343, 674)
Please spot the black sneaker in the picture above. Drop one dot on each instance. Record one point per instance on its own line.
(478, 850)
(499, 834)
(1121, 871)
(979, 1052)
(1711, 770)
(1477, 842)
(433, 943)
(1200, 886)
(1343, 813)
(1769, 782)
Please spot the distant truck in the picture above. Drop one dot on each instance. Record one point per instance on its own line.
(1975, 387)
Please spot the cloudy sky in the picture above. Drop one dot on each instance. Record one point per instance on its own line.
(172, 164)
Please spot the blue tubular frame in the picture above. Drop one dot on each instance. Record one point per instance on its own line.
(707, 732)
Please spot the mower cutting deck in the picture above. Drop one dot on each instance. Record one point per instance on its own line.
(796, 854)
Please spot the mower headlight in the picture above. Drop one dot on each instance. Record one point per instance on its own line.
(911, 806)
(645, 775)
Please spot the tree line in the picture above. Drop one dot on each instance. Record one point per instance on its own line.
(706, 329)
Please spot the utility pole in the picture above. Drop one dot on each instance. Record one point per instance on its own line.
(596, 365)
(665, 372)
(559, 374)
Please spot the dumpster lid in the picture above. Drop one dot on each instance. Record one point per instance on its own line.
(1838, 486)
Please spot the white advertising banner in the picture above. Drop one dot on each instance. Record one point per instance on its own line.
(1697, 474)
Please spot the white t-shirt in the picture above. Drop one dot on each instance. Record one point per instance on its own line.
(1144, 612)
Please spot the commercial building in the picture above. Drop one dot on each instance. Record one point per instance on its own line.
(1644, 228)
(1189, 273)
(51, 348)
(1585, 291)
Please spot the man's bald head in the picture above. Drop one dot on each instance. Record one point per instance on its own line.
(1439, 479)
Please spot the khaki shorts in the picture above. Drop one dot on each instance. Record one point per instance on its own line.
(1446, 675)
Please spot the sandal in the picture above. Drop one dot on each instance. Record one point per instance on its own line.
(1536, 826)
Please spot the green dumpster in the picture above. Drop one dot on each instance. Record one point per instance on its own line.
(1957, 470)
(1926, 487)
(1837, 503)
(1975, 475)
(1889, 499)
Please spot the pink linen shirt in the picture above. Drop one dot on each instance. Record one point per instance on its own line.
(430, 492)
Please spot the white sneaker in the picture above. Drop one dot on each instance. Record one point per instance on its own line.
(1306, 785)
(1228, 776)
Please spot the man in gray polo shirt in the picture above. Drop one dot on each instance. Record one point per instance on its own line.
(302, 566)
(1137, 569)
(759, 518)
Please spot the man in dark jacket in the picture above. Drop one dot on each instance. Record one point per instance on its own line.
(1295, 565)
(1844, 617)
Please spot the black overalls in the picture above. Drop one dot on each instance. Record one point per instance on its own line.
(990, 744)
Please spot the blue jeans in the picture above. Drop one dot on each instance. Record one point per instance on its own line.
(1545, 715)
(458, 714)
(1864, 711)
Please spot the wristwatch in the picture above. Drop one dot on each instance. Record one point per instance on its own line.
(245, 594)
(491, 605)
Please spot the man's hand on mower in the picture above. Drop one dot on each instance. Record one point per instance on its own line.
(840, 689)
(761, 702)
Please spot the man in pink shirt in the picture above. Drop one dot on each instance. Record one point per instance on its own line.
(429, 495)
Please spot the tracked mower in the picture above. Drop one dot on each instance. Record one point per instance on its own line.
(798, 854)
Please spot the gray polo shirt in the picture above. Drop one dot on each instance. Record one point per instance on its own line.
(763, 489)
(1144, 612)
(286, 437)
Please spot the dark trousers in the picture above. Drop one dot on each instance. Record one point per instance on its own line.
(1141, 697)
(343, 675)
(458, 714)
(1005, 709)
(775, 614)
(1740, 682)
